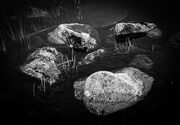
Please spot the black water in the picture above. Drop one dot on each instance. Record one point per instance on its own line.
(58, 105)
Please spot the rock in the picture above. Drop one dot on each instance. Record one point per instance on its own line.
(80, 37)
(141, 61)
(79, 88)
(105, 92)
(42, 64)
(134, 30)
(154, 33)
(90, 58)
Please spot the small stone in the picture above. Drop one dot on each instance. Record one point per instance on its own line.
(141, 61)
(80, 37)
(105, 92)
(90, 58)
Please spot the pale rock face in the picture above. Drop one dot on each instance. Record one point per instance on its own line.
(175, 40)
(41, 64)
(132, 27)
(78, 36)
(105, 92)
(90, 58)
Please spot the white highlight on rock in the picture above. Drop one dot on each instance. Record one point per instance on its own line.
(120, 28)
(64, 31)
(89, 58)
(114, 82)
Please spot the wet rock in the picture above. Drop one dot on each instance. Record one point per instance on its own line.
(79, 88)
(80, 37)
(90, 58)
(141, 61)
(42, 64)
(135, 30)
(105, 92)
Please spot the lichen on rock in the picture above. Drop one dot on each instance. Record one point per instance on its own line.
(126, 33)
(133, 27)
(80, 37)
(42, 64)
(105, 92)
(175, 40)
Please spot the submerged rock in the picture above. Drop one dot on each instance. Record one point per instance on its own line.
(37, 13)
(91, 57)
(142, 61)
(175, 40)
(105, 92)
(42, 64)
(80, 37)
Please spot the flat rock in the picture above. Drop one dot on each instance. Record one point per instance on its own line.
(42, 64)
(105, 92)
(90, 58)
(37, 13)
(135, 30)
(141, 61)
(80, 37)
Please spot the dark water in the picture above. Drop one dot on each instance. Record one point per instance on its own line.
(59, 105)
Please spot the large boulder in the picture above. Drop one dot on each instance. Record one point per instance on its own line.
(80, 37)
(42, 64)
(105, 92)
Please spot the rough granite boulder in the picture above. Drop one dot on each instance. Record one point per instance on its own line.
(42, 64)
(80, 37)
(105, 92)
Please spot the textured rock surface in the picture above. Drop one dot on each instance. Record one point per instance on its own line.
(104, 92)
(142, 61)
(132, 27)
(78, 36)
(91, 57)
(41, 64)
(135, 30)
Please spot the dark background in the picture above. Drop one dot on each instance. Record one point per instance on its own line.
(162, 102)
(158, 10)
